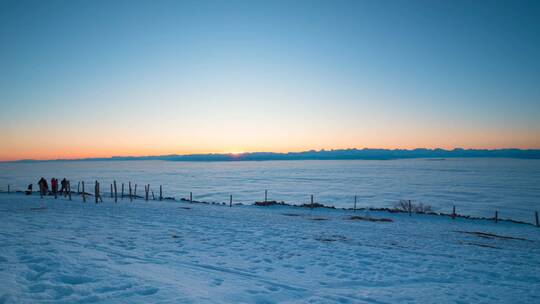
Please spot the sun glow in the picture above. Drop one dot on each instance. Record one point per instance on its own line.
(236, 153)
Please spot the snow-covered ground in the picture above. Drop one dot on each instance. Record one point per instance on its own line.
(171, 252)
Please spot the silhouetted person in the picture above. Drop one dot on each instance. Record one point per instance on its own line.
(28, 190)
(54, 186)
(63, 184)
(43, 186)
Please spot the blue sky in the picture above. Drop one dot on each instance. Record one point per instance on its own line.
(159, 77)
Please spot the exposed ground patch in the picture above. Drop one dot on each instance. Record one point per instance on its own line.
(486, 235)
(370, 219)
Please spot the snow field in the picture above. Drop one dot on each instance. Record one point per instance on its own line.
(171, 252)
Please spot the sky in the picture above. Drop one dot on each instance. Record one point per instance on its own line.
(109, 78)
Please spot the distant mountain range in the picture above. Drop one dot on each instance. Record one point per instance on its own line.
(367, 154)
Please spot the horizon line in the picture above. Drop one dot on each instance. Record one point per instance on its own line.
(381, 153)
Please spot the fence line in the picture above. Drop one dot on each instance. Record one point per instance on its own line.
(114, 195)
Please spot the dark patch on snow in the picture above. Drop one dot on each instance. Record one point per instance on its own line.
(492, 235)
(319, 219)
(330, 238)
(370, 219)
(481, 245)
(269, 203)
(187, 208)
(316, 205)
(291, 214)
(195, 202)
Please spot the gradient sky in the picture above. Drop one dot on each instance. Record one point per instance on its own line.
(103, 78)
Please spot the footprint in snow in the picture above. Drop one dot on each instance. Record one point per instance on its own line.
(74, 279)
(148, 291)
(273, 288)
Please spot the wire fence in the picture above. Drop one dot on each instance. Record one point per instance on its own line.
(128, 191)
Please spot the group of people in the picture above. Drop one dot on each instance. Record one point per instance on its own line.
(44, 187)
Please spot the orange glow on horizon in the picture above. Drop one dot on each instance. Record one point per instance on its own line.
(70, 154)
(154, 139)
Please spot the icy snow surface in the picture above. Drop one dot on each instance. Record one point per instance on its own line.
(172, 252)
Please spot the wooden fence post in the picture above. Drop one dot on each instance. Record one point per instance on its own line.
(146, 189)
(96, 191)
(536, 217)
(230, 201)
(496, 216)
(83, 193)
(115, 192)
(130, 197)
(69, 189)
(191, 197)
(122, 194)
(410, 208)
(354, 203)
(160, 192)
(135, 192)
(265, 196)
(454, 212)
(79, 187)
(153, 197)
(311, 202)
(111, 191)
